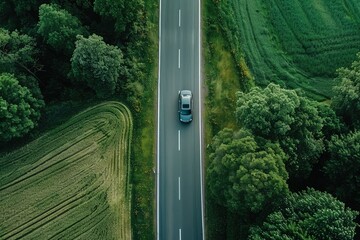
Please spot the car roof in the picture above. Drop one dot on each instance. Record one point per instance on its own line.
(186, 98)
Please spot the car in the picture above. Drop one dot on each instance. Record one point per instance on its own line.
(185, 106)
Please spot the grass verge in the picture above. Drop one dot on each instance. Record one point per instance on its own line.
(223, 79)
(143, 177)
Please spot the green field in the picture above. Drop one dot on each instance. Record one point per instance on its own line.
(73, 182)
(298, 43)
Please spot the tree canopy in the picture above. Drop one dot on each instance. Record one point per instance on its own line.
(128, 14)
(332, 124)
(286, 117)
(97, 64)
(19, 110)
(309, 214)
(59, 28)
(243, 175)
(346, 100)
(343, 167)
(18, 56)
(18, 13)
(17, 53)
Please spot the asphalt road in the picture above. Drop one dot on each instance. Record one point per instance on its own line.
(179, 191)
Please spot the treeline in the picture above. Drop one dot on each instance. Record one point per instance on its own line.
(266, 171)
(54, 51)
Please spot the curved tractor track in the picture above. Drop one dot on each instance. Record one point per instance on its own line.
(297, 44)
(73, 182)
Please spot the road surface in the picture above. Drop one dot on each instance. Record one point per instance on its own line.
(179, 173)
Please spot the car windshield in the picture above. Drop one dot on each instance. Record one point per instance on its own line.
(185, 105)
(185, 112)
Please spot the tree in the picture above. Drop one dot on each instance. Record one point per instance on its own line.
(18, 14)
(18, 56)
(343, 167)
(286, 117)
(59, 28)
(129, 15)
(277, 227)
(17, 53)
(309, 214)
(19, 110)
(97, 64)
(331, 122)
(245, 176)
(346, 100)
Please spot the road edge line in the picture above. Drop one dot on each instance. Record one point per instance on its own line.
(158, 137)
(200, 129)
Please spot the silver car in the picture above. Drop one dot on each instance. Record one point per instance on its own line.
(185, 106)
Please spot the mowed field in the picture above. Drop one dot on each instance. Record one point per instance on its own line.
(297, 43)
(73, 182)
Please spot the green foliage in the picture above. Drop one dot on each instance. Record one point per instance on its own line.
(30, 83)
(277, 227)
(114, 9)
(286, 117)
(59, 28)
(269, 113)
(97, 64)
(243, 175)
(134, 92)
(331, 123)
(343, 167)
(16, 14)
(19, 110)
(346, 100)
(17, 53)
(129, 15)
(309, 214)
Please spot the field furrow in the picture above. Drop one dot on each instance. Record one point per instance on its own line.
(297, 44)
(73, 182)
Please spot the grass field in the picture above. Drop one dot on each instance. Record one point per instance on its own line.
(72, 182)
(298, 44)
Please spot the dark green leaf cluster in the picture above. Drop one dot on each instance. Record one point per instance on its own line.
(17, 53)
(97, 64)
(244, 175)
(16, 14)
(331, 122)
(20, 96)
(284, 116)
(59, 28)
(346, 100)
(19, 110)
(129, 15)
(309, 214)
(343, 167)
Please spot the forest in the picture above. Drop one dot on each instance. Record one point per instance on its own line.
(58, 51)
(60, 57)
